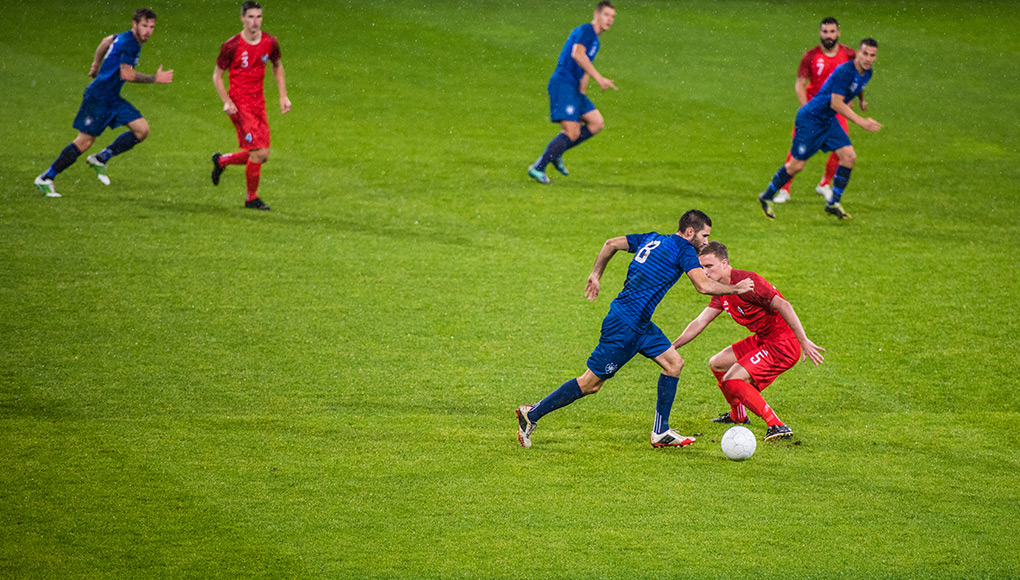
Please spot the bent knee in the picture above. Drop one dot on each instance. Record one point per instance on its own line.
(259, 155)
(596, 127)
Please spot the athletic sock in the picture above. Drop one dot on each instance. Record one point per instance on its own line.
(839, 182)
(568, 392)
(124, 142)
(239, 158)
(585, 135)
(66, 158)
(789, 182)
(780, 179)
(554, 150)
(253, 171)
(743, 392)
(737, 411)
(830, 169)
(664, 402)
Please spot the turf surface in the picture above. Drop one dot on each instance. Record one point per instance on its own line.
(191, 389)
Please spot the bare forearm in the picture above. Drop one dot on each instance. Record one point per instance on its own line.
(221, 88)
(790, 316)
(800, 88)
(843, 109)
(281, 81)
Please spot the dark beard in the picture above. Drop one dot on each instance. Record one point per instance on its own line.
(828, 43)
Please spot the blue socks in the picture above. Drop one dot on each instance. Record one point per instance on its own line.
(664, 402)
(124, 142)
(557, 146)
(839, 182)
(66, 158)
(780, 179)
(584, 136)
(561, 397)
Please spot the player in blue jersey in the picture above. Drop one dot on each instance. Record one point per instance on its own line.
(102, 106)
(569, 104)
(659, 261)
(817, 128)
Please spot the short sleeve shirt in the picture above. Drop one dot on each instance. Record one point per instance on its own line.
(753, 310)
(125, 49)
(659, 261)
(567, 68)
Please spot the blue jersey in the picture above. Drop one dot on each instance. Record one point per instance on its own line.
(567, 68)
(658, 263)
(124, 50)
(845, 81)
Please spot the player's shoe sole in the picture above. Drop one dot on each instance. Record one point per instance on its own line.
(558, 164)
(100, 168)
(836, 209)
(256, 204)
(524, 426)
(670, 438)
(782, 196)
(767, 206)
(217, 171)
(538, 176)
(725, 418)
(777, 432)
(46, 186)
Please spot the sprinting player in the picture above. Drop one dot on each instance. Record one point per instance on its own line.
(817, 128)
(244, 56)
(659, 261)
(745, 368)
(815, 67)
(569, 104)
(102, 106)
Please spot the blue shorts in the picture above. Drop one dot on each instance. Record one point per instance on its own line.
(566, 103)
(811, 134)
(619, 343)
(96, 114)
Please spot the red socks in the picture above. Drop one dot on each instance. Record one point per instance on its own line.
(738, 391)
(830, 169)
(253, 171)
(737, 411)
(239, 158)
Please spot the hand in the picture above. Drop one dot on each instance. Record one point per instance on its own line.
(93, 71)
(872, 125)
(811, 350)
(605, 83)
(744, 286)
(230, 108)
(864, 105)
(164, 77)
(591, 289)
(285, 105)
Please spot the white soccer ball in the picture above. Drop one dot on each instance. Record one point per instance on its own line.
(738, 443)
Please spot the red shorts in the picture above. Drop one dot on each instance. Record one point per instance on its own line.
(252, 127)
(842, 123)
(765, 361)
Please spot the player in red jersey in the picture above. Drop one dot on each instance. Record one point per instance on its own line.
(244, 56)
(745, 368)
(815, 67)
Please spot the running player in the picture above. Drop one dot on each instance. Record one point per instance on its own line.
(102, 106)
(659, 261)
(745, 368)
(244, 57)
(569, 104)
(815, 68)
(817, 128)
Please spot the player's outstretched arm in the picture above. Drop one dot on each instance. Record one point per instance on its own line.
(808, 348)
(580, 55)
(705, 285)
(696, 326)
(842, 108)
(612, 245)
(281, 84)
(130, 75)
(97, 61)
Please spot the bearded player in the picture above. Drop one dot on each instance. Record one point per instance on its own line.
(244, 57)
(815, 67)
(745, 368)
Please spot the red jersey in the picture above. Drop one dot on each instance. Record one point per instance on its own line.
(246, 66)
(816, 67)
(753, 309)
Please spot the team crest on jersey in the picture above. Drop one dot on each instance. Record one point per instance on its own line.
(741, 311)
(853, 87)
(265, 57)
(248, 137)
(611, 368)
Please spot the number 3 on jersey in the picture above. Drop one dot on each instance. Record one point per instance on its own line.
(642, 254)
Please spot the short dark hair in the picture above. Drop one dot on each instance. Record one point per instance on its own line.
(249, 5)
(829, 20)
(716, 248)
(869, 42)
(144, 14)
(604, 4)
(694, 218)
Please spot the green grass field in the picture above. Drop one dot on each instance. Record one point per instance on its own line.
(189, 389)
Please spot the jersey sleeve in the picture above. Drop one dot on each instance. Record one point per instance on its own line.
(226, 57)
(585, 36)
(128, 52)
(687, 260)
(715, 302)
(274, 53)
(804, 70)
(840, 80)
(763, 292)
(634, 241)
